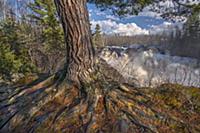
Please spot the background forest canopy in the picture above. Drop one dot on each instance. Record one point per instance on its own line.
(31, 35)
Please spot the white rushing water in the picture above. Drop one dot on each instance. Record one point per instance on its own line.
(149, 66)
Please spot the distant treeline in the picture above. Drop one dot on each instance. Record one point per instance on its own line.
(184, 42)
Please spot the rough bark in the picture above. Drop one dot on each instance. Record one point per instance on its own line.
(67, 102)
(80, 53)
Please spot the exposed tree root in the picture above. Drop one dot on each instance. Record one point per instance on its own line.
(105, 106)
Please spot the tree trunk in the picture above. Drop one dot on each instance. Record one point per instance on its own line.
(80, 53)
(90, 101)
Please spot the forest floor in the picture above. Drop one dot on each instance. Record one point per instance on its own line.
(175, 101)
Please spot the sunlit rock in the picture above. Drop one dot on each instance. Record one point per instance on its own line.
(150, 66)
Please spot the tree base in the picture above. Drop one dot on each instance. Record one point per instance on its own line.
(103, 106)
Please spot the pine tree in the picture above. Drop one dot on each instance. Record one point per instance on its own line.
(44, 13)
(192, 26)
(14, 39)
(97, 37)
(9, 63)
(51, 35)
(81, 98)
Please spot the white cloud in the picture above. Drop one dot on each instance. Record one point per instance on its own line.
(166, 28)
(111, 27)
(131, 29)
(112, 17)
(130, 25)
(99, 13)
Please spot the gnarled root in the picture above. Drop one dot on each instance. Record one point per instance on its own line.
(52, 106)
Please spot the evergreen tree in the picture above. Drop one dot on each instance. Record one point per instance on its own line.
(14, 39)
(51, 35)
(122, 7)
(97, 37)
(9, 63)
(44, 13)
(192, 26)
(186, 41)
(83, 97)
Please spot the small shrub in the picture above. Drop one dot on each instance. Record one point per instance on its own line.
(14, 57)
(9, 64)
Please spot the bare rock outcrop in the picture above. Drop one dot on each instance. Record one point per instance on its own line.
(150, 66)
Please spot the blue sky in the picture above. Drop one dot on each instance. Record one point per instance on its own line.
(146, 22)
